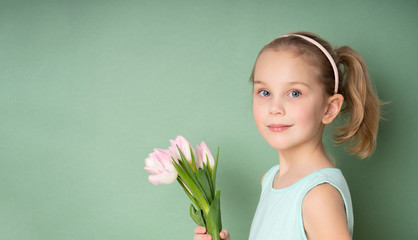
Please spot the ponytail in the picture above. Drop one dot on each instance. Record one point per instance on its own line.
(362, 105)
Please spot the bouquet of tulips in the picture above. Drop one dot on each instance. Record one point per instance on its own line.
(196, 174)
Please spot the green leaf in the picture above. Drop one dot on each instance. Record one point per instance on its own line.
(188, 193)
(207, 163)
(205, 183)
(206, 170)
(215, 167)
(185, 164)
(197, 216)
(193, 160)
(196, 190)
(213, 219)
(190, 172)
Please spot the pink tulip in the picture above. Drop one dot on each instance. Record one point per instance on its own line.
(201, 152)
(159, 163)
(184, 146)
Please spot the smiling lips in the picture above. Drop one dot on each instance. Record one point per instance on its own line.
(278, 127)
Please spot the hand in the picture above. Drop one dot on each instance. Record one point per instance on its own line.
(200, 234)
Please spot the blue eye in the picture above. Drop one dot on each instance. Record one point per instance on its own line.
(264, 93)
(294, 94)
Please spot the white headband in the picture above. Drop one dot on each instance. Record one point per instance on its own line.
(330, 59)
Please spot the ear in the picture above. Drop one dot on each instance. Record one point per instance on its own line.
(334, 105)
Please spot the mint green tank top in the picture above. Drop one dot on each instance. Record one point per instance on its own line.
(279, 211)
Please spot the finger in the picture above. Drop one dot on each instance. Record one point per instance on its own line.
(200, 230)
(224, 234)
(202, 237)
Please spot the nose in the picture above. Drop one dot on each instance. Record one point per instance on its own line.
(276, 107)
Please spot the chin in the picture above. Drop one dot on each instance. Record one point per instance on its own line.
(280, 145)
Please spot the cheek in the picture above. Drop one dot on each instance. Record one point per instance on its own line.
(308, 114)
(257, 112)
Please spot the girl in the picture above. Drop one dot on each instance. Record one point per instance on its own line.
(299, 86)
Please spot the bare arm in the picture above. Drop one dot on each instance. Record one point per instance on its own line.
(323, 214)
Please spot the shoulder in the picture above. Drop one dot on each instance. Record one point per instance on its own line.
(272, 169)
(263, 178)
(323, 213)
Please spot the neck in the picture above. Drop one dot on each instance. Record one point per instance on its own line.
(303, 159)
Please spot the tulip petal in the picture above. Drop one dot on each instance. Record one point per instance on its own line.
(151, 170)
(184, 147)
(152, 162)
(204, 155)
(165, 158)
(174, 151)
(162, 178)
(159, 163)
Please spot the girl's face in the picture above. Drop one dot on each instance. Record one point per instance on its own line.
(289, 102)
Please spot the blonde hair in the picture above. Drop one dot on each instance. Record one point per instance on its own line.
(355, 127)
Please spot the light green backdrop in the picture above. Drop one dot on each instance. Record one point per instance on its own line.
(89, 88)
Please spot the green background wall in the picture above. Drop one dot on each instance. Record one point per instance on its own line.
(89, 88)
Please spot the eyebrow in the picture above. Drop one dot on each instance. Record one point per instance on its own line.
(288, 83)
(301, 83)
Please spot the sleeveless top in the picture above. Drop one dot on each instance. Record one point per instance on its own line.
(279, 211)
